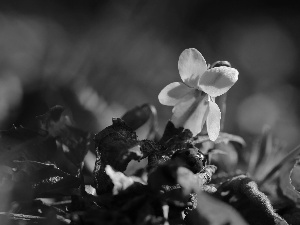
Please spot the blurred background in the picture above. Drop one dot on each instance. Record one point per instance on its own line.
(101, 58)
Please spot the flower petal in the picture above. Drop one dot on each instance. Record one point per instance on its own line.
(172, 93)
(218, 80)
(213, 121)
(191, 112)
(191, 66)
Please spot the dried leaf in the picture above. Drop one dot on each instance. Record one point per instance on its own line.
(171, 132)
(174, 139)
(116, 146)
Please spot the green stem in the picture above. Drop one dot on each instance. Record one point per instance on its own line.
(222, 105)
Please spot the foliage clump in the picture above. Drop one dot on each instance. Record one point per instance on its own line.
(179, 178)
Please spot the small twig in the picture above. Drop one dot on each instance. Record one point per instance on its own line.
(15, 216)
(66, 202)
(33, 219)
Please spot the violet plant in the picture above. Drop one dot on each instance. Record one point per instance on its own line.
(179, 183)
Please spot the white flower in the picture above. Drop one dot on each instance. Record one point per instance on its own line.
(194, 100)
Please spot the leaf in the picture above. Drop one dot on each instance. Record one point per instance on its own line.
(173, 140)
(116, 146)
(24, 144)
(192, 158)
(139, 116)
(243, 194)
(55, 120)
(211, 211)
(46, 179)
(172, 133)
(285, 181)
(72, 141)
(107, 217)
(226, 158)
(177, 181)
(292, 215)
(194, 183)
(222, 138)
(295, 176)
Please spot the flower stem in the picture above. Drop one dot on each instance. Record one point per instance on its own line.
(222, 105)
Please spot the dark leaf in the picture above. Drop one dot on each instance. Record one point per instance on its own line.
(164, 177)
(55, 120)
(46, 179)
(211, 211)
(140, 115)
(178, 182)
(72, 141)
(24, 144)
(226, 157)
(172, 133)
(193, 183)
(292, 216)
(173, 140)
(192, 158)
(108, 217)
